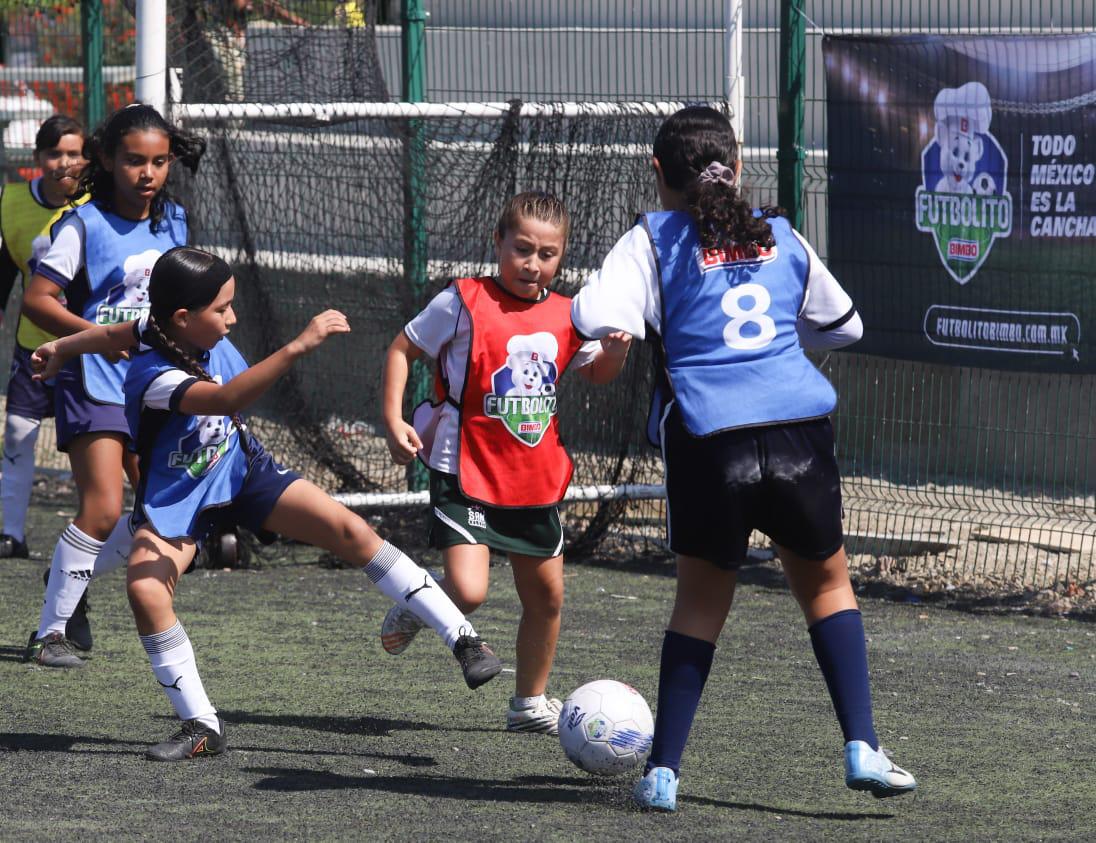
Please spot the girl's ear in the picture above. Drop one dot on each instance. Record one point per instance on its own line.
(180, 317)
(738, 172)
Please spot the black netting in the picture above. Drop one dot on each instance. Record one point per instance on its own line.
(319, 211)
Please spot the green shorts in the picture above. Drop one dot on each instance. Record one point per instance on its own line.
(531, 531)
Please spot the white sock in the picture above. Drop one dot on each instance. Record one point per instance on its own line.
(522, 703)
(20, 434)
(173, 664)
(69, 574)
(408, 585)
(115, 550)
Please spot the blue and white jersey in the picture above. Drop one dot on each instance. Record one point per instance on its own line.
(731, 328)
(110, 283)
(188, 463)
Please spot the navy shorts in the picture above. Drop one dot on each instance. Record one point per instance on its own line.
(27, 397)
(78, 414)
(265, 482)
(781, 480)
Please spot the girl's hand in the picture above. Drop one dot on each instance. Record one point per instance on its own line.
(616, 344)
(403, 442)
(320, 328)
(45, 361)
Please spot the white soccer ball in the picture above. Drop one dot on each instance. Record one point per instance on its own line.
(984, 184)
(606, 727)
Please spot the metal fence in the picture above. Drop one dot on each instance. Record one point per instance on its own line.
(955, 474)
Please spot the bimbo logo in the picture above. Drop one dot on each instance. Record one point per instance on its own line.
(128, 300)
(201, 449)
(709, 259)
(523, 390)
(963, 201)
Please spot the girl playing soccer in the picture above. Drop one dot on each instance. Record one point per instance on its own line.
(497, 465)
(734, 296)
(201, 471)
(99, 261)
(27, 212)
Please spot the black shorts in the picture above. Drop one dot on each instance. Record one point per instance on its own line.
(780, 479)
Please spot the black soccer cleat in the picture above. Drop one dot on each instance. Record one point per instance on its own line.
(479, 663)
(193, 740)
(12, 548)
(78, 627)
(52, 651)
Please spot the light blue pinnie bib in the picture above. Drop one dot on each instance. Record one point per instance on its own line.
(730, 348)
(118, 259)
(188, 463)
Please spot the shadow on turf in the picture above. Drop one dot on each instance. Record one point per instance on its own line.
(371, 726)
(531, 789)
(25, 742)
(12, 654)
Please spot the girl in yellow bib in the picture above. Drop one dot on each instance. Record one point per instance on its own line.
(491, 441)
(27, 212)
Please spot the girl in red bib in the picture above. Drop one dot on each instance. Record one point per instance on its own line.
(491, 439)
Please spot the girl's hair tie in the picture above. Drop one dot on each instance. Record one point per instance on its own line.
(717, 172)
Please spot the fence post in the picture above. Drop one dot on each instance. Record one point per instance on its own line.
(789, 116)
(91, 33)
(413, 53)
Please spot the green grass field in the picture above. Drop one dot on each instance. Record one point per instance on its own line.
(333, 739)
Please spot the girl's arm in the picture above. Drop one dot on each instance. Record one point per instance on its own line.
(403, 441)
(610, 360)
(213, 399)
(112, 341)
(42, 305)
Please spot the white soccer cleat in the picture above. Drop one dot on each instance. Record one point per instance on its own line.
(399, 629)
(543, 718)
(657, 791)
(871, 769)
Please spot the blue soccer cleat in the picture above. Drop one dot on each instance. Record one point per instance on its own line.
(871, 769)
(657, 790)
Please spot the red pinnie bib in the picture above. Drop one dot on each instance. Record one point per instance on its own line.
(510, 451)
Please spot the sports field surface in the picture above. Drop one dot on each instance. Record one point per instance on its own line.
(332, 739)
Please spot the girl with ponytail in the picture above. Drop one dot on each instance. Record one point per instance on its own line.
(96, 272)
(733, 296)
(202, 471)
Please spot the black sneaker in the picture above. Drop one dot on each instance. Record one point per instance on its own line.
(78, 628)
(12, 548)
(479, 664)
(194, 739)
(52, 651)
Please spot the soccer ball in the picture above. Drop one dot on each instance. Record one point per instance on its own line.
(984, 185)
(606, 727)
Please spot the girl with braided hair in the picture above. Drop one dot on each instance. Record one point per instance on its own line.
(734, 295)
(202, 471)
(96, 272)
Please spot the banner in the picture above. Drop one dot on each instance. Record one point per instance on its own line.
(962, 196)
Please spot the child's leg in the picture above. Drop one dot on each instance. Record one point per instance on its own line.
(539, 584)
(829, 605)
(96, 460)
(155, 565)
(701, 605)
(467, 575)
(20, 436)
(304, 512)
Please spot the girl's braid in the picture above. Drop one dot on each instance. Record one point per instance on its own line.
(188, 364)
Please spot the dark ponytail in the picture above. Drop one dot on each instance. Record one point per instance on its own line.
(688, 146)
(186, 148)
(189, 279)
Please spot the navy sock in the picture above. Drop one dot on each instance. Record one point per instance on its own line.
(842, 654)
(686, 662)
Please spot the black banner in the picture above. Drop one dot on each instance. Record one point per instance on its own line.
(962, 196)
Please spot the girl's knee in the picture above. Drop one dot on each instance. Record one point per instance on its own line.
(147, 593)
(357, 541)
(468, 596)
